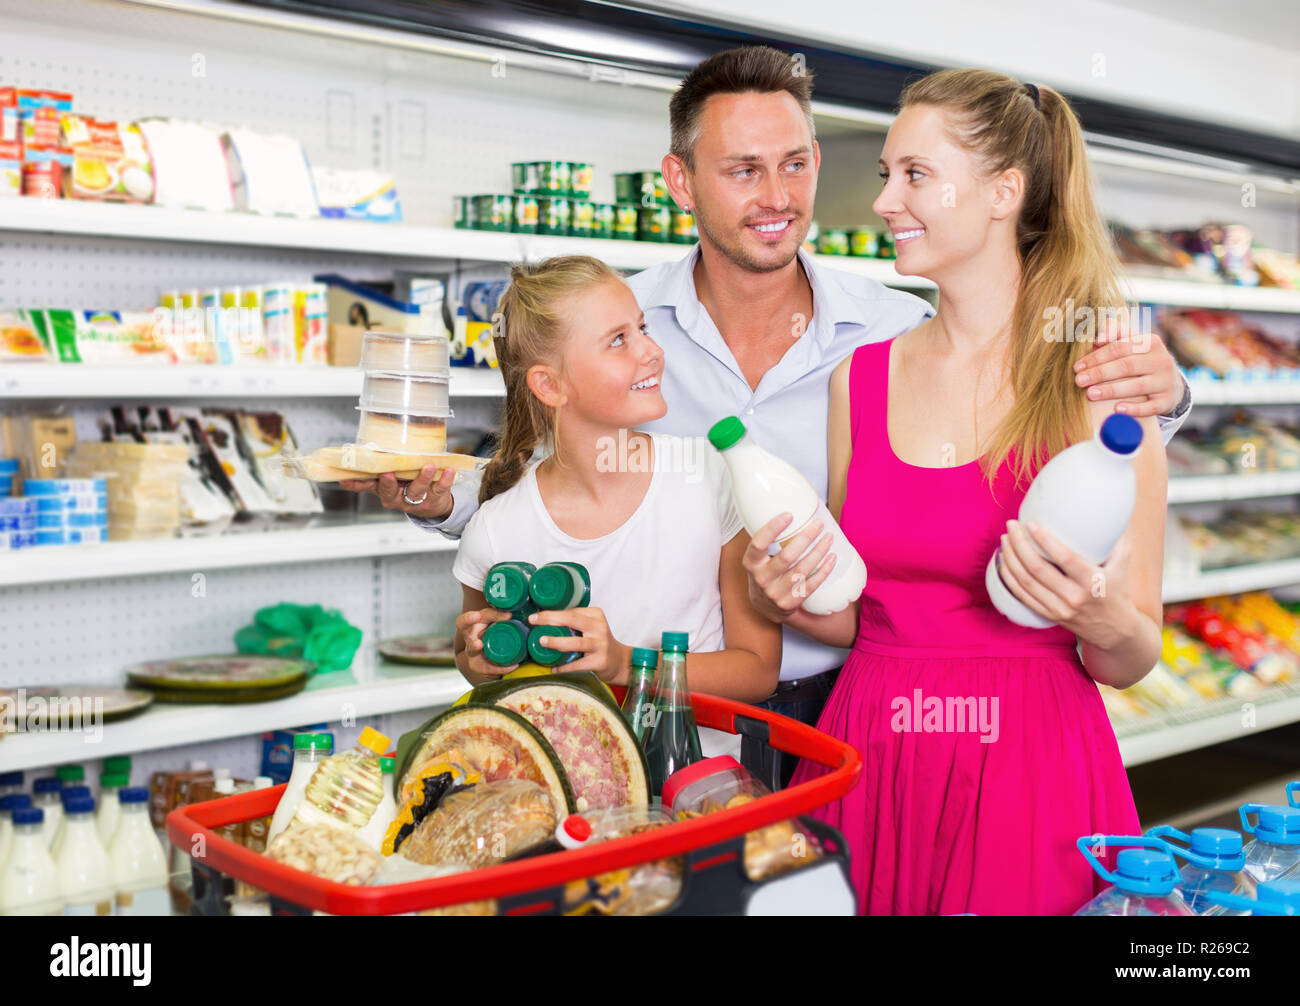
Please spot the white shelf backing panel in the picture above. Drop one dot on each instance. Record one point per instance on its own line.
(107, 273)
(73, 382)
(340, 698)
(88, 631)
(420, 594)
(442, 125)
(1238, 720)
(224, 551)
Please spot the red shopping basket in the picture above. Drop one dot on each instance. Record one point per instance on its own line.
(714, 878)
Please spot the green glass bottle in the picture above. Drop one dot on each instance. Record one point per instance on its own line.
(673, 741)
(506, 642)
(639, 702)
(544, 655)
(506, 586)
(559, 585)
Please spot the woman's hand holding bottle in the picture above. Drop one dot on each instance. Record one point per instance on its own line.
(471, 625)
(601, 652)
(1091, 601)
(778, 584)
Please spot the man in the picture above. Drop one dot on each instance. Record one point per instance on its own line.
(751, 326)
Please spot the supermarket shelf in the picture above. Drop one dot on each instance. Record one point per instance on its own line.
(1204, 488)
(1275, 392)
(153, 223)
(1233, 580)
(1185, 293)
(85, 381)
(365, 691)
(339, 540)
(1161, 742)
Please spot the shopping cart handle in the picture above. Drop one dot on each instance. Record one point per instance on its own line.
(747, 726)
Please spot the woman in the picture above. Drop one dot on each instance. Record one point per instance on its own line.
(934, 437)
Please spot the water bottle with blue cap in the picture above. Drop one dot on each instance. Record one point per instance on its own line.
(1215, 861)
(1275, 849)
(1145, 879)
(1273, 897)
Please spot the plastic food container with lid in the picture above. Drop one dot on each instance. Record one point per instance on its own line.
(721, 783)
(409, 394)
(403, 433)
(401, 352)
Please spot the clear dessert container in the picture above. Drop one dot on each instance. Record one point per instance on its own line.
(403, 433)
(722, 783)
(397, 351)
(410, 393)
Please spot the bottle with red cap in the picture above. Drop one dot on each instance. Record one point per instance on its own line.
(572, 832)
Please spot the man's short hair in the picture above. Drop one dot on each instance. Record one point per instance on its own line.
(753, 68)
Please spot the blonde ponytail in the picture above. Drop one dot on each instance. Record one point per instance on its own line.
(527, 330)
(1066, 256)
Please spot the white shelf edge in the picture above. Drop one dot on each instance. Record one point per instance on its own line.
(1176, 738)
(1245, 392)
(72, 381)
(156, 223)
(1232, 580)
(166, 725)
(1212, 488)
(57, 563)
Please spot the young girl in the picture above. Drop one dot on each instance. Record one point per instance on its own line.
(934, 437)
(650, 516)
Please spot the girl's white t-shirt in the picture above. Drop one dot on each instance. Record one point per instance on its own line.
(656, 573)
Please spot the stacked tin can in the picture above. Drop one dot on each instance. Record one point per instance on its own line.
(405, 400)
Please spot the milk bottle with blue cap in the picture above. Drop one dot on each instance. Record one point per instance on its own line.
(1084, 497)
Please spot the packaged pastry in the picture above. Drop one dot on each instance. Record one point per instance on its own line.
(11, 168)
(403, 433)
(722, 783)
(357, 195)
(269, 174)
(483, 824)
(189, 164)
(19, 340)
(109, 160)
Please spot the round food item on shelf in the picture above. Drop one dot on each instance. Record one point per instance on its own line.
(435, 651)
(402, 434)
(220, 673)
(71, 702)
(326, 851)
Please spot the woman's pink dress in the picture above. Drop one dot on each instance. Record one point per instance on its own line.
(986, 748)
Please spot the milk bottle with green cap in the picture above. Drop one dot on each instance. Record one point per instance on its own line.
(765, 486)
(309, 750)
(110, 811)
